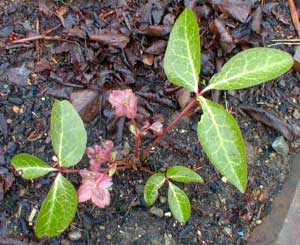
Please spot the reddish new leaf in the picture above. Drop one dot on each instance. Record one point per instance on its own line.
(94, 187)
(125, 102)
(100, 154)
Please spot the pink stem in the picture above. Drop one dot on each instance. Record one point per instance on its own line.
(137, 139)
(170, 127)
(68, 171)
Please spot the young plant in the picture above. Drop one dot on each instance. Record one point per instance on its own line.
(218, 132)
(177, 199)
(69, 139)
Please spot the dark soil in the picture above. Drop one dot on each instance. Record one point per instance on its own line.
(33, 74)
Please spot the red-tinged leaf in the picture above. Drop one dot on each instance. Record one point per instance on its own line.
(94, 187)
(125, 102)
(100, 154)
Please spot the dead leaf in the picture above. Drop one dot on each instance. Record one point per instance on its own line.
(46, 7)
(225, 37)
(60, 14)
(238, 9)
(116, 40)
(157, 47)
(87, 103)
(155, 30)
(3, 125)
(257, 20)
(18, 75)
(290, 132)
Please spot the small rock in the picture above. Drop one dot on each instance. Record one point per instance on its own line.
(162, 199)
(228, 232)
(280, 146)
(102, 227)
(157, 212)
(168, 214)
(74, 235)
(139, 189)
(296, 114)
(11, 148)
(16, 101)
(108, 237)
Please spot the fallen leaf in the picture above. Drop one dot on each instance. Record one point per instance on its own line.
(157, 47)
(290, 132)
(226, 39)
(155, 30)
(87, 103)
(18, 75)
(46, 7)
(238, 9)
(3, 125)
(116, 40)
(257, 20)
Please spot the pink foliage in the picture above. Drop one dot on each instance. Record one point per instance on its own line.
(94, 187)
(125, 102)
(99, 154)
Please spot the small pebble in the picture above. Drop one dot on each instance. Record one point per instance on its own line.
(280, 146)
(168, 214)
(16, 101)
(102, 227)
(224, 179)
(139, 189)
(258, 222)
(162, 199)
(157, 212)
(296, 114)
(108, 237)
(74, 235)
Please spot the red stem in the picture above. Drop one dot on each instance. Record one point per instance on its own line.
(137, 139)
(68, 171)
(169, 128)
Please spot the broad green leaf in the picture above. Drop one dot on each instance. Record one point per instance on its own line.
(68, 134)
(58, 209)
(251, 67)
(221, 138)
(179, 203)
(31, 166)
(152, 186)
(182, 58)
(184, 174)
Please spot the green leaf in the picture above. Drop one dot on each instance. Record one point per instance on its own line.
(179, 203)
(251, 67)
(67, 133)
(221, 138)
(58, 209)
(184, 174)
(31, 166)
(152, 186)
(182, 58)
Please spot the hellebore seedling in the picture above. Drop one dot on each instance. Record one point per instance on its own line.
(177, 199)
(218, 133)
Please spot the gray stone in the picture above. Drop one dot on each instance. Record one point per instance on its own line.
(296, 114)
(74, 235)
(139, 189)
(280, 146)
(282, 225)
(157, 212)
(162, 199)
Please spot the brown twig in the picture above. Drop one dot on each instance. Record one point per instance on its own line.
(295, 16)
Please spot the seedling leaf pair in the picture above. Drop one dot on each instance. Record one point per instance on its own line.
(218, 132)
(69, 139)
(177, 199)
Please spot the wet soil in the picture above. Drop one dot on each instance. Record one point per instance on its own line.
(34, 74)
